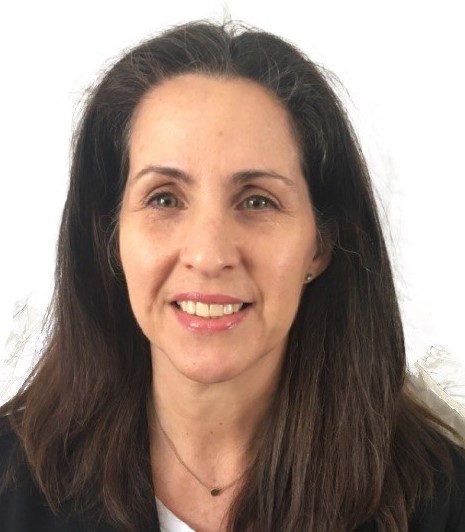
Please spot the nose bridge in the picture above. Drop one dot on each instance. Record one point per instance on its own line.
(210, 238)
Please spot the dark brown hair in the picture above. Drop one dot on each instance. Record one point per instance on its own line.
(345, 440)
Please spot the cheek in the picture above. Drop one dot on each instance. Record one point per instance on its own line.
(284, 287)
(135, 252)
(140, 265)
(288, 261)
(285, 276)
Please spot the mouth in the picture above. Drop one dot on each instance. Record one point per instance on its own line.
(244, 305)
(209, 325)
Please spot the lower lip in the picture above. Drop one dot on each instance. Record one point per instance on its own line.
(197, 324)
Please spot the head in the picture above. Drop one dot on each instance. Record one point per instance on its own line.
(210, 110)
(212, 115)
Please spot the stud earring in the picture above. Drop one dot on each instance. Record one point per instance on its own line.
(308, 277)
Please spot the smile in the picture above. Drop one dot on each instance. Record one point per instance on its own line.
(211, 324)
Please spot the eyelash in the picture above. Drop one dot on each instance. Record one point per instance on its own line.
(151, 199)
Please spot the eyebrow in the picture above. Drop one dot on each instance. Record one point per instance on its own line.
(242, 176)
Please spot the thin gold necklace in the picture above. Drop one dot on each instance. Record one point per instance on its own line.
(214, 491)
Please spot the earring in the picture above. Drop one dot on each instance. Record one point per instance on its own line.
(308, 277)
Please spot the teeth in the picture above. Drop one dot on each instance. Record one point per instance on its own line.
(208, 311)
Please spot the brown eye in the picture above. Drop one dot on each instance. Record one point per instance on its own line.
(260, 200)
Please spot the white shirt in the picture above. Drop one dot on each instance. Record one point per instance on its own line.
(170, 522)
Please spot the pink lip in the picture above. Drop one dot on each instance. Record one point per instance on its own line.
(199, 325)
(220, 299)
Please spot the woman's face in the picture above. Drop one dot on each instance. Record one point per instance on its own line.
(215, 235)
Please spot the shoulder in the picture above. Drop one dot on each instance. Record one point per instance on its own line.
(9, 444)
(15, 503)
(22, 506)
(20, 503)
(446, 511)
(457, 500)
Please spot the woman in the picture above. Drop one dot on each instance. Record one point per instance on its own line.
(225, 339)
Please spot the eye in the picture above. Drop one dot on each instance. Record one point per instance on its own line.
(264, 199)
(155, 197)
(152, 201)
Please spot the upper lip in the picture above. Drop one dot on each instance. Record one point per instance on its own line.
(207, 298)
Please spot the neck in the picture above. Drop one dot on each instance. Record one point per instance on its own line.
(212, 426)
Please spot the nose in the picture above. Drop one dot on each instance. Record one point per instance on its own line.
(211, 243)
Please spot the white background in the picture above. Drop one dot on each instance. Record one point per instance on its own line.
(401, 64)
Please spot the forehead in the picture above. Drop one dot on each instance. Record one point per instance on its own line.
(193, 114)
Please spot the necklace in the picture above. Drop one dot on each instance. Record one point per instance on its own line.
(214, 491)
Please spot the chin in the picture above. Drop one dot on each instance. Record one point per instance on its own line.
(208, 372)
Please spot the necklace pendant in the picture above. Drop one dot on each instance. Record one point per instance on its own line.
(215, 492)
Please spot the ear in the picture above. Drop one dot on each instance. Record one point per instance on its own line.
(320, 261)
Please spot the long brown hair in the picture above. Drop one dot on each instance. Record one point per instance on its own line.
(345, 441)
